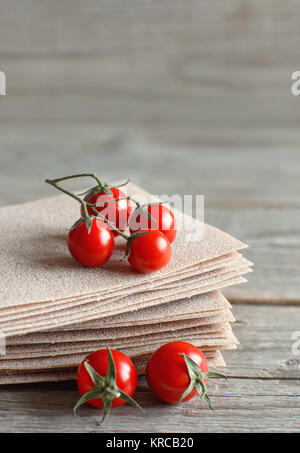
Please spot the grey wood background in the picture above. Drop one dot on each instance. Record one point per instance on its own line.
(182, 96)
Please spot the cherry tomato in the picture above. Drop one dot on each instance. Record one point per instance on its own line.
(167, 373)
(125, 372)
(91, 248)
(150, 252)
(162, 220)
(117, 213)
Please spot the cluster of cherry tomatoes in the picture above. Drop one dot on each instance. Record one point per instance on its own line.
(106, 212)
(176, 372)
(107, 378)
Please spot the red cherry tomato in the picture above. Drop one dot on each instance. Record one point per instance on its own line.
(91, 248)
(163, 220)
(167, 373)
(150, 252)
(117, 213)
(126, 375)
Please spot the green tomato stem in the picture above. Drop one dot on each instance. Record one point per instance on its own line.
(88, 219)
(84, 204)
(197, 378)
(80, 175)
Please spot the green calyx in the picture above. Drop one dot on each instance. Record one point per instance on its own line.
(130, 241)
(105, 388)
(99, 189)
(105, 188)
(197, 380)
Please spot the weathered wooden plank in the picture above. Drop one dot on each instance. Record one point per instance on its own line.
(183, 72)
(120, 74)
(62, 26)
(172, 119)
(186, 72)
(242, 406)
(267, 342)
(241, 181)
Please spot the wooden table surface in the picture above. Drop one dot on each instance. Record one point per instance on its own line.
(188, 97)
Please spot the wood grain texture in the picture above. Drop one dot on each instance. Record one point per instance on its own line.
(186, 72)
(182, 96)
(261, 396)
